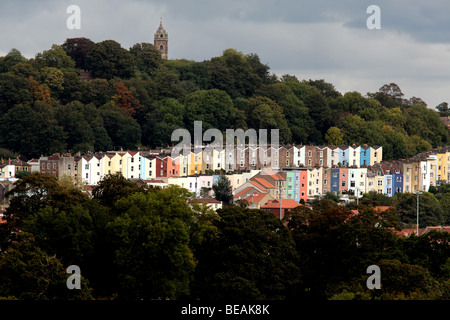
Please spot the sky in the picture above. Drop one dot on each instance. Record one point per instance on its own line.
(322, 39)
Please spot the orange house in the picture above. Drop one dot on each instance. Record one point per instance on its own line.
(276, 208)
(173, 166)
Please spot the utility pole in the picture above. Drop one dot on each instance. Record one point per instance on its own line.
(417, 225)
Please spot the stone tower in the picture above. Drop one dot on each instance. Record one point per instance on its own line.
(161, 40)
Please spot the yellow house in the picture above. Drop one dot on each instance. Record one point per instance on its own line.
(196, 163)
(442, 167)
(376, 155)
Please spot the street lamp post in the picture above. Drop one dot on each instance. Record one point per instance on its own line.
(280, 192)
(417, 222)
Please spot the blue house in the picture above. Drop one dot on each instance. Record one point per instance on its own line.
(334, 181)
(142, 161)
(397, 180)
(365, 156)
(343, 155)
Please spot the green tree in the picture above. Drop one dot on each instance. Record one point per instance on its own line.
(253, 257)
(430, 210)
(11, 59)
(76, 127)
(167, 116)
(78, 49)
(114, 187)
(53, 78)
(223, 190)
(123, 130)
(152, 252)
(147, 58)
(264, 113)
(16, 125)
(107, 59)
(334, 137)
(55, 57)
(213, 107)
(14, 90)
(29, 273)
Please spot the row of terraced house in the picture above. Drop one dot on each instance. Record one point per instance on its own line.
(147, 165)
(308, 171)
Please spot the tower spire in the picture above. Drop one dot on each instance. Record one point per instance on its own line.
(161, 40)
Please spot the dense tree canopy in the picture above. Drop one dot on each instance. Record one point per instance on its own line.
(157, 245)
(234, 90)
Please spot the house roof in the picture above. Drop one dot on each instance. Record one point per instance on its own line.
(276, 176)
(243, 192)
(264, 183)
(257, 185)
(285, 204)
(381, 208)
(257, 197)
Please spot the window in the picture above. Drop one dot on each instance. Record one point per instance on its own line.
(287, 162)
(120, 161)
(343, 183)
(68, 166)
(43, 166)
(321, 154)
(321, 163)
(375, 154)
(399, 179)
(242, 163)
(87, 175)
(309, 162)
(324, 182)
(48, 166)
(86, 166)
(132, 168)
(335, 174)
(309, 153)
(150, 173)
(132, 159)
